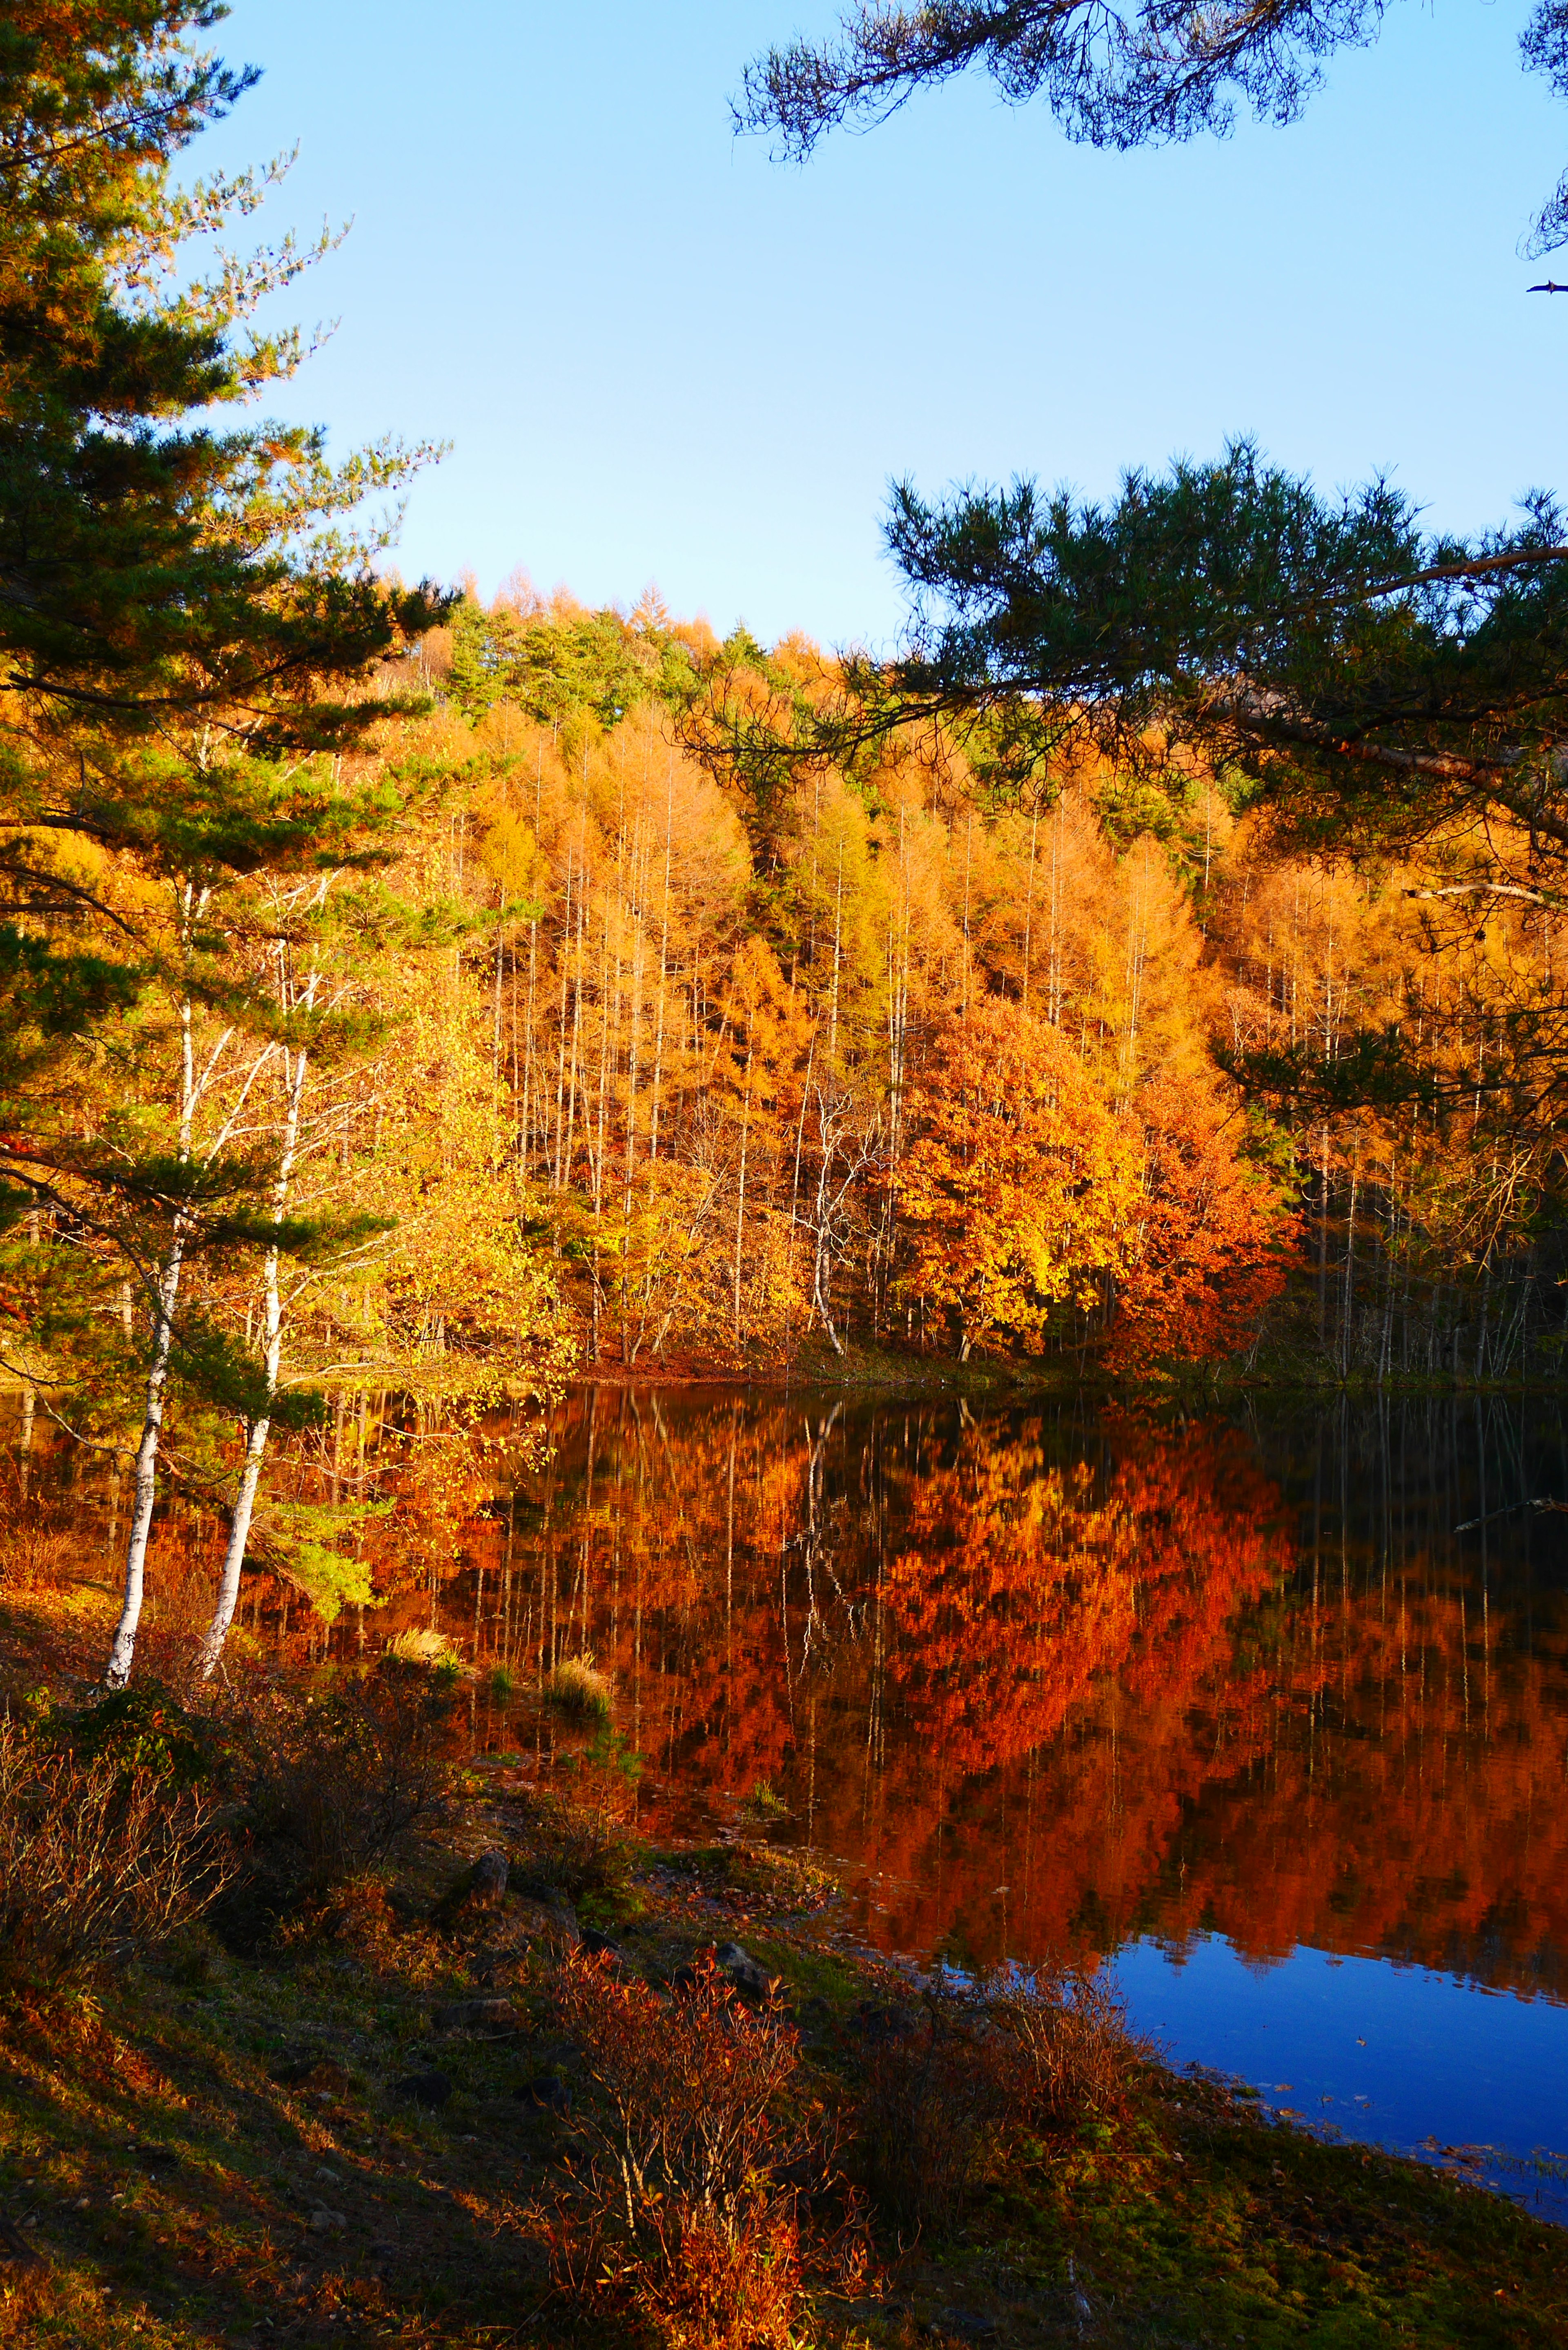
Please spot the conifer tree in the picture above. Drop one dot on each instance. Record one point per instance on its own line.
(186, 609)
(1373, 683)
(164, 578)
(1112, 80)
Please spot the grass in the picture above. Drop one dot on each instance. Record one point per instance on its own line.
(430, 1648)
(176, 2145)
(575, 1689)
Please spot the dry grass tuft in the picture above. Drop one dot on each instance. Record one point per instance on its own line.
(430, 1648)
(575, 1688)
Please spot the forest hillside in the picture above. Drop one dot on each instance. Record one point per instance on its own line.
(632, 1049)
(797, 1053)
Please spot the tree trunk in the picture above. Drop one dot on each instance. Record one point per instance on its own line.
(217, 1631)
(740, 1191)
(123, 1649)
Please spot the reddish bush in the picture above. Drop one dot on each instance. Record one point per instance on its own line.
(683, 2212)
(1068, 2057)
(96, 1862)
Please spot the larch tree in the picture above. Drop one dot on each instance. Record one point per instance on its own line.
(1019, 1186)
(1210, 1243)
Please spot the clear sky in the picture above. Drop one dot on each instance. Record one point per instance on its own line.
(661, 358)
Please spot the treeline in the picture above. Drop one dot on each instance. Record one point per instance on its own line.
(584, 1035)
(798, 1051)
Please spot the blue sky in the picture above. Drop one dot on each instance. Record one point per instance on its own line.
(661, 358)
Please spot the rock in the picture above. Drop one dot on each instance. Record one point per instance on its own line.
(477, 2015)
(743, 1970)
(552, 1922)
(547, 2091)
(967, 2324)
(487, 1884)
(480, 1888)
(878, 2024)
(326, 2222)
(15, 2247)
(431, 2089)
(317, 2072)
(599, 1946)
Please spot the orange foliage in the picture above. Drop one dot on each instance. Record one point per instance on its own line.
(726, 1017)
(1210, 1247)
(680, 2207)
(1092, 1663)
(1041, 1679)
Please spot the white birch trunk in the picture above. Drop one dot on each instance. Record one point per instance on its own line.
(122, 1648)
(234, 1564)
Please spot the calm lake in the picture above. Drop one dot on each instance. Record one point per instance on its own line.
(1253, 1712)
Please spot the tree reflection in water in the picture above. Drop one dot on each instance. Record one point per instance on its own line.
(1053, 1677)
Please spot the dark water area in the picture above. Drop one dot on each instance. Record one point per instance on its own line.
(1269, 1716)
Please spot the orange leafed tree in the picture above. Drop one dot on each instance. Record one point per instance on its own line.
(1018, 1189)
(1209, 1245)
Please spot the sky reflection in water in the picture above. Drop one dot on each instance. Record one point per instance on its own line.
(1397, 2055)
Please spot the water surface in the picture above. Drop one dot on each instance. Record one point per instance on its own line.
(1233, 1708)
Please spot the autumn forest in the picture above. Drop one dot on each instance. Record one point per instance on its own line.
(782, 1454)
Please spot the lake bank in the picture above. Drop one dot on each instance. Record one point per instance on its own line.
(330, 2134)
(1237, 1703)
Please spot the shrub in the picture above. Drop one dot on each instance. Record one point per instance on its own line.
(38, 1546)
(1070, 2057)
(723, 2283)
(682, 2213)
(98, 1862)
(929, 2112)
(145, 1729)
(576, 1848)
(337, 1781)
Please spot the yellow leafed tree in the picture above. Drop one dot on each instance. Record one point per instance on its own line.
(1019, 1186)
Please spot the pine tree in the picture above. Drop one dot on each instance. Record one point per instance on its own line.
(1111, 79)
(186, 609)
(166, 581)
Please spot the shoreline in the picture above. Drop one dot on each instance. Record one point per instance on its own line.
(368, 2110)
